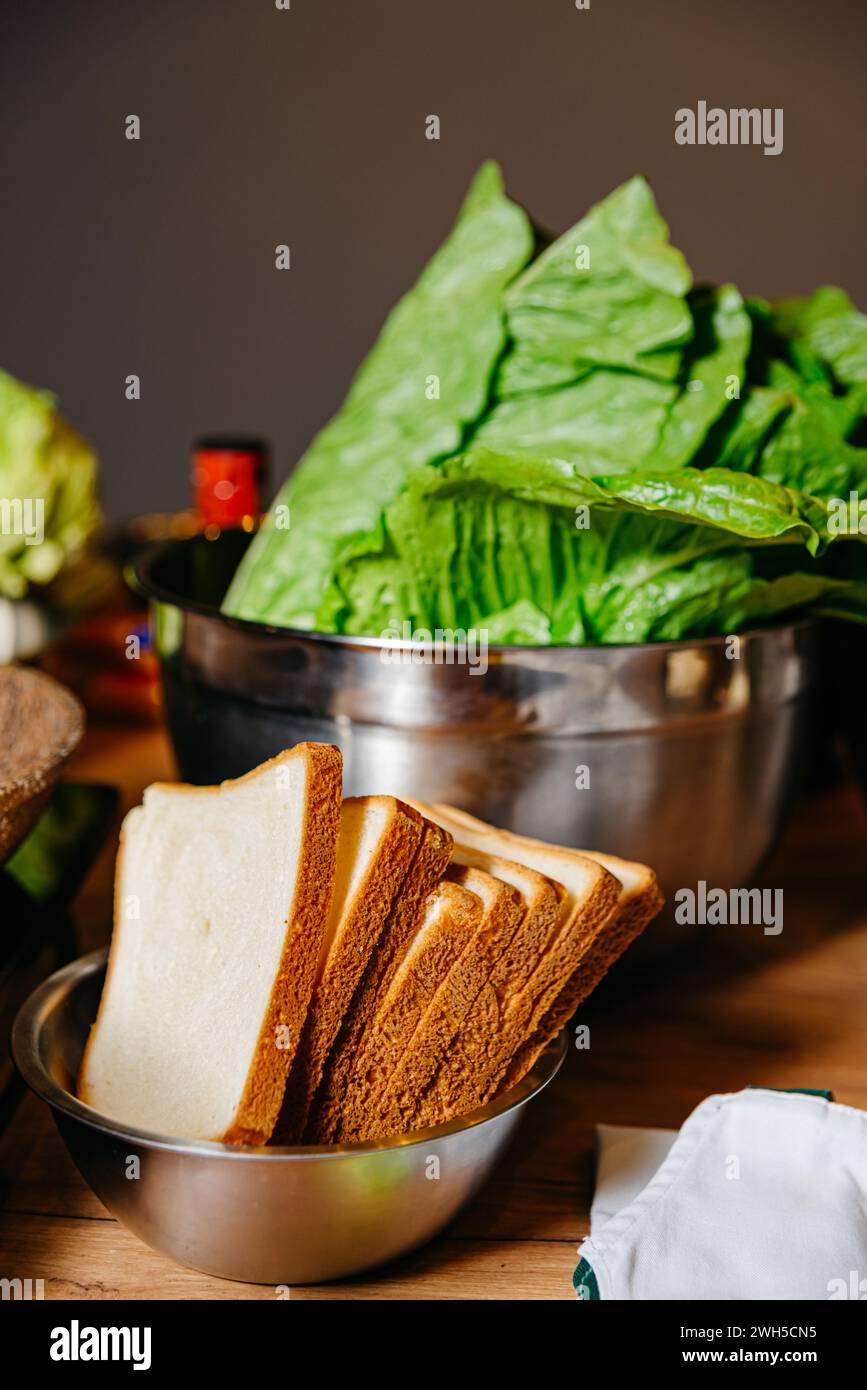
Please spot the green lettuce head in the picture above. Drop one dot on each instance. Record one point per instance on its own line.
(579, 445)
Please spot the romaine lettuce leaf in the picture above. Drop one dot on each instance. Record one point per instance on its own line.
(426, 378)
(744, 506)
(798, 420)
(614, 420)
(610, 292)
(831, 327)
(634, 557)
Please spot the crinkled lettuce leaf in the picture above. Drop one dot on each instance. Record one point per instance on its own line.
(799, 419)
(614, 420)
(743, 506)
(831, 328)
(610, 292)
(534, 551)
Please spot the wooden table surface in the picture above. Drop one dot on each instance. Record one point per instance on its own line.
(739, 1007)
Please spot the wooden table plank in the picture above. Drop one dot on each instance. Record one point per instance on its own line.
(100, 1260)
(733, 1008)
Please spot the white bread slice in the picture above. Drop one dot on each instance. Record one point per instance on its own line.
(221, 896)
(428, 866)
(396, 1110)
(379, 836)
(639, 900)
(449, 921)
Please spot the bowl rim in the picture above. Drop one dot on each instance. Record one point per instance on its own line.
(140, 576)
(56, 990)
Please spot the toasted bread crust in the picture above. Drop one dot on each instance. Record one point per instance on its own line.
(402, 1099)
(346, 962)
(428, 866)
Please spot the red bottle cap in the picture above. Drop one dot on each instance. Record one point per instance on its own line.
(228, 477)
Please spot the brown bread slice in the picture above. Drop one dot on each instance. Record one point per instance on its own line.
(640, 897)
(639, 901)
(544, 901)
(379, 836)
(395, 1113)
(427, 868)
(632, 916)
(522, 985)
(450, 919)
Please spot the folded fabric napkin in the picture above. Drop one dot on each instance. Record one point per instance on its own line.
(762, 1194)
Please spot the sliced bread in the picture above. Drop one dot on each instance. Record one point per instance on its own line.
(221, 897)
(379, 836)
(543, 954)
(428, 866)
(449, 921)
(640, 899)
(399, 1103)
(639, 904)
(640, 895)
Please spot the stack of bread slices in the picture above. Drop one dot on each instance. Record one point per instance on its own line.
(290, 966)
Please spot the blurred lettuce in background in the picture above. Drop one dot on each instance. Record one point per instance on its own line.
(46, 470)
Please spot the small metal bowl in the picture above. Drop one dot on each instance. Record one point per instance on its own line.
(269, 1215)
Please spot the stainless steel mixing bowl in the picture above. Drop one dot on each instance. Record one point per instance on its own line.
(264, 1216)
(692, 754)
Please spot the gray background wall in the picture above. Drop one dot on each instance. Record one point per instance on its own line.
(261, 126)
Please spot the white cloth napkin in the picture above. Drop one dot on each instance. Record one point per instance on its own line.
(762, 1194)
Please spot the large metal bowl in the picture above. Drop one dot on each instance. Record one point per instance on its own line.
(692, 753)
(269, 1215)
